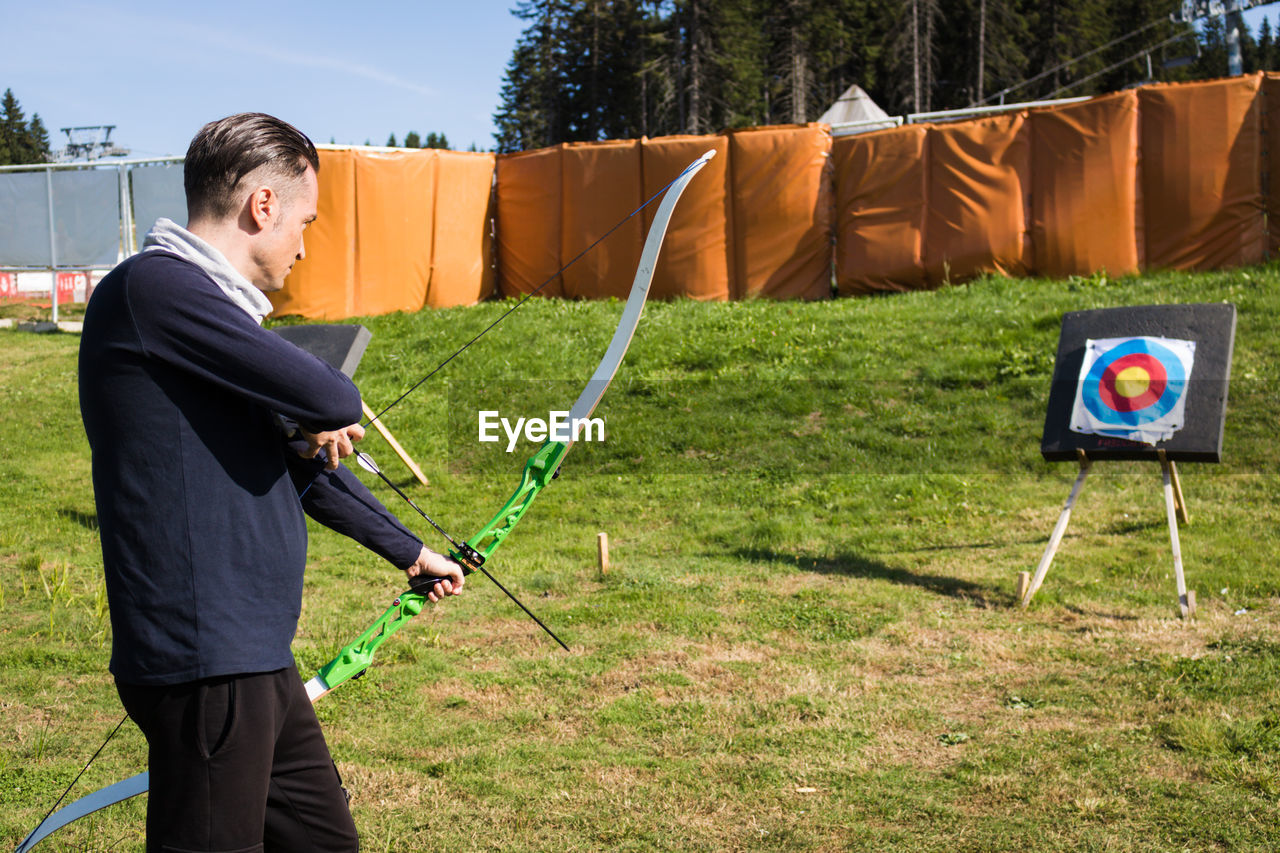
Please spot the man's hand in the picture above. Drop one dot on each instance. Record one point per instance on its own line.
(335, 443)
(438, 566)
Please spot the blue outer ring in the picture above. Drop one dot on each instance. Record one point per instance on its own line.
(1175, 384)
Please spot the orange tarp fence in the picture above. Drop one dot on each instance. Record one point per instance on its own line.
(880, 210)
(694, 260)
(555, 202)
(601, 184)
(1202, 174)
(462, 240)
(378, 246)
(322, 283)
(782, 211)
(528, 222)
(1164, 176)
(976, 221)
(1271, 107)
(1084, 177)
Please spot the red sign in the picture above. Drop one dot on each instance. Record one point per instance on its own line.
(8, 287)
(72, 283)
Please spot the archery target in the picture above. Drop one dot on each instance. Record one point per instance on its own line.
(1133, 388)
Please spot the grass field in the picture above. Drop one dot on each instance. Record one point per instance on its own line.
(808, 638)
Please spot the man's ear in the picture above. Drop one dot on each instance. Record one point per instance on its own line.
(263, 206)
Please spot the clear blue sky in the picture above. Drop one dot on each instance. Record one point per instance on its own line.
(336, 70)
(347, 71)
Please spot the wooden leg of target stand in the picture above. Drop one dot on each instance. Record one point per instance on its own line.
(395, 445)
(1186, 600)
(1061, 528)
(1178, 500)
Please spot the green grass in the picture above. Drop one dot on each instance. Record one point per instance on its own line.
(808, 639)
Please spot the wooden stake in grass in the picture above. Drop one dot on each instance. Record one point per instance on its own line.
(602, 548)
(1024, 581)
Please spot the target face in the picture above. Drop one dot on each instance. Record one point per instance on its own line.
(1133, 388)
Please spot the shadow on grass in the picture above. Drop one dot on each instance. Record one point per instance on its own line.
(87, 520)
(1125, 528)
(857, 566)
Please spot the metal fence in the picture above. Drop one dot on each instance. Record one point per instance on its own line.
(59, 222)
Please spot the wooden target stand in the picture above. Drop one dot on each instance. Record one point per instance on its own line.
(1175, 509)
(1210, 329)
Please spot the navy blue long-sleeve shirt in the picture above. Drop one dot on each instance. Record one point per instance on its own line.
(203, 536)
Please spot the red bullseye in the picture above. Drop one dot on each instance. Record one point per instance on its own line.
(1117, 391)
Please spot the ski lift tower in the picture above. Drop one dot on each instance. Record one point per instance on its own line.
(90, 142)
(1193, 10)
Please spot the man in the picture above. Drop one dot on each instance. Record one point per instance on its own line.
(186, 401)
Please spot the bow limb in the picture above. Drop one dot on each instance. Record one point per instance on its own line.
(541, 468)
(86, 805)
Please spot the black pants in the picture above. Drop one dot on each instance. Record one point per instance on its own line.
(239, 765)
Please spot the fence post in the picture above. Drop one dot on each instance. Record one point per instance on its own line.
(53, 245)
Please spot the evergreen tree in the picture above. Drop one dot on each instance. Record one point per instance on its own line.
(412, 140)
(746, 89)
(1212, 61)
(20, 143)
(13, 130)
(603, 69)
(909, 54)
(532, 111)
(994, 56)
(841, 51)
(597, 69)
(391, 141)
(435, 140)
(1062, 34)
(38, 139)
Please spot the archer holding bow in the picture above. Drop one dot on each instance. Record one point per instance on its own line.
(183, 395)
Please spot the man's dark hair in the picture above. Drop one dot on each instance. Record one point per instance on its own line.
(227, 150)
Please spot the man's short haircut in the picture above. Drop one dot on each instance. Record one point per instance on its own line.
(227, 150)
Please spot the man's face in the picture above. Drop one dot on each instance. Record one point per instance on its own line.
(280, 244)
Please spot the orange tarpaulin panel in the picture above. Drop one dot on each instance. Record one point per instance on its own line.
(880, 210)
(781, 212)
(1271, 91)
(978, 175)
(462, 255)
(1083, 186)
(1201, 173)
(528, 221)
(395, 194)
(601, 185)
(322, 284)
(694, 260)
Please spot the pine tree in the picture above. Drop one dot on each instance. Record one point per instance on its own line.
(1250, 58)
(908, 54)
(13, 130)
(1212, 61)
(532, 112)
(993, 58)
(1266, 47)
(412, 140)
(1062, 34)
(435, 140)
(841, 50)
(391, 141)
(38, 139)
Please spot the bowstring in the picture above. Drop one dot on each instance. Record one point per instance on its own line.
(527, 297)
(78, 775)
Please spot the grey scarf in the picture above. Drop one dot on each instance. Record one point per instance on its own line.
(171, 237)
